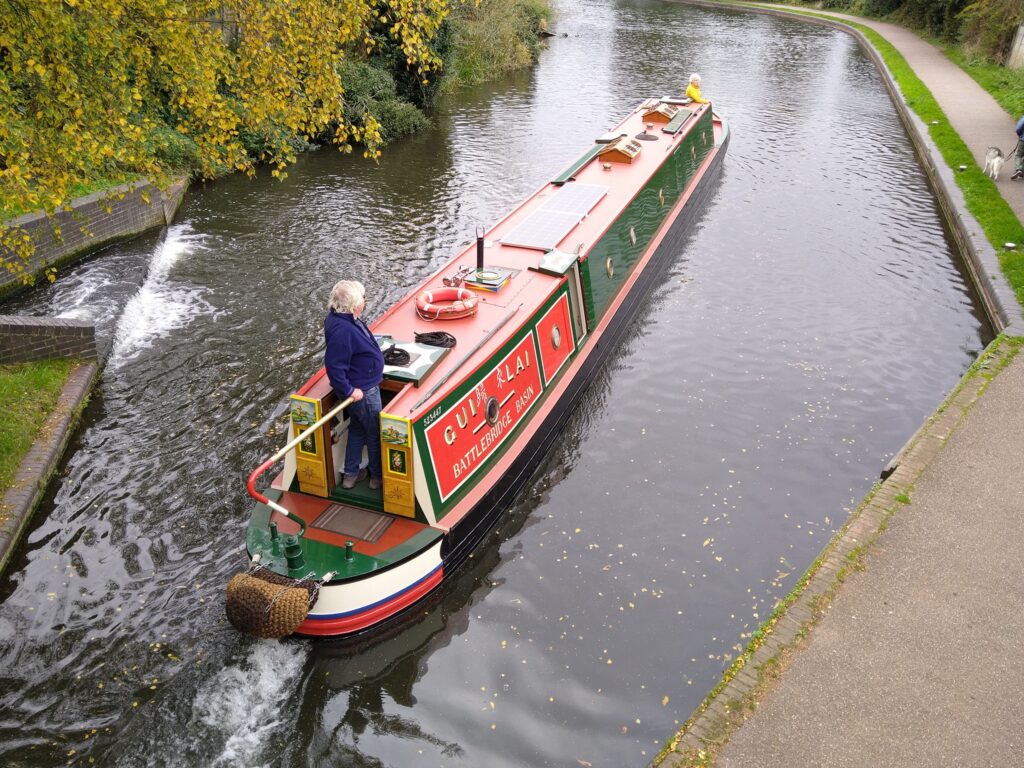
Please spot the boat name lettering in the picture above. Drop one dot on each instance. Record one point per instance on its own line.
(462, 438)
(480, 448)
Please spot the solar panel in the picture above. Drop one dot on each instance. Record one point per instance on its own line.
(542, 229)
(575, 198)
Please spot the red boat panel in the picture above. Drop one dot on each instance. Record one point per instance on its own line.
(554, 334)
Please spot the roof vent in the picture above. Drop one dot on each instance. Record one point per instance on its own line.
(661, 113)
(620, 151)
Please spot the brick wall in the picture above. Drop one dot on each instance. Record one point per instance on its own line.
(43, 338)
(90, 222)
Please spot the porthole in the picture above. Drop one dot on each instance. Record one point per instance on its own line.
(556, 337)
(609, 267)
(492, 411)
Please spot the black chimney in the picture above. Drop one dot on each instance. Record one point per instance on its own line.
(479, 248)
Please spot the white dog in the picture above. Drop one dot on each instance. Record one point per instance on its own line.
(994, 162)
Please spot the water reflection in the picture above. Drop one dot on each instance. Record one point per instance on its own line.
(815, 316)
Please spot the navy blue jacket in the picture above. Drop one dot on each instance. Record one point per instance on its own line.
(1020, 129)
(352, 357)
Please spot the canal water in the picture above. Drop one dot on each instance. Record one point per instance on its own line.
(815, 316)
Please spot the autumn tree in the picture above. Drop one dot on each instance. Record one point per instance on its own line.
(106, 89)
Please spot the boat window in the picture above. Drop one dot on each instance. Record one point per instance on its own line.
(493, 410)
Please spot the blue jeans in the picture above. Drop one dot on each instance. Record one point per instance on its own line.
(364, 430)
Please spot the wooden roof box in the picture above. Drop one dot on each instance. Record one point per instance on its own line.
(623, 150)
(660, 113)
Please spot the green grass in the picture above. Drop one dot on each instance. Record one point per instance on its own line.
(1005, 85)
(28, 393)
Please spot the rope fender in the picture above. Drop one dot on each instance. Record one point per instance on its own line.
(267, 605)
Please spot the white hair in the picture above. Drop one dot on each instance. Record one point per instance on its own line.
(694, 78)
(346, 295)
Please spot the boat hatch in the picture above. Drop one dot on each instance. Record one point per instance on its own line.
(623, 150)
(661, 113)
(423, 358)
(315, 467)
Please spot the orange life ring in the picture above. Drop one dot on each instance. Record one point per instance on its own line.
(445, 303)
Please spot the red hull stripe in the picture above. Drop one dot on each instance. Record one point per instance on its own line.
(353, 621)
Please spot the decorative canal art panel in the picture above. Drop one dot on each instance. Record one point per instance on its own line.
(462, 438)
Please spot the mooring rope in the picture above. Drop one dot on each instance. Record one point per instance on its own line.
(435, 339)
(395, 356)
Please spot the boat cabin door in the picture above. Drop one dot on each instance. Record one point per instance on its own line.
(314, 463)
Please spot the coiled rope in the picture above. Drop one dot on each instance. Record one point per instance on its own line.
(395, 356)
(436, 339)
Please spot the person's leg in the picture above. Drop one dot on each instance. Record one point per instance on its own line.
(1018, 160)
(371, 426)
(356, 440)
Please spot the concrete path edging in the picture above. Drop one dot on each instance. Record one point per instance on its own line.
(728, 703)
(39, 465)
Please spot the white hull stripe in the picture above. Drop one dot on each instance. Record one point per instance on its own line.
(371, 606)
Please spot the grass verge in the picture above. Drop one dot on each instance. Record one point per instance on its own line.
(1005, 85)
(28, 393)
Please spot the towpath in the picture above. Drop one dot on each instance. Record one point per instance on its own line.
(914, 662)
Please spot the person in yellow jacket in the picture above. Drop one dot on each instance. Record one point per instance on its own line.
(693, 90)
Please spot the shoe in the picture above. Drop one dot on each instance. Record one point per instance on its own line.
(350, 480)
(376, 483)
(1018, 175)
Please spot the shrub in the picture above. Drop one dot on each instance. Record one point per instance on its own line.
(837, 4)
(370, 89)
(399, 118)
(937, 17)
(173, 149)
(495, 37)
(989, 27)
(879, 7)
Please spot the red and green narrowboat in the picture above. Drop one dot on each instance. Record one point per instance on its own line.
(533, 308)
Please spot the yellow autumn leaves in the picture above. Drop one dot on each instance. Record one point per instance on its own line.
(98, 89)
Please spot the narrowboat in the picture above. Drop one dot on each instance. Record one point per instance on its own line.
(485, 360)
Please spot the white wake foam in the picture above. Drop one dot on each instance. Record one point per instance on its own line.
(244, 702)
(161, 305)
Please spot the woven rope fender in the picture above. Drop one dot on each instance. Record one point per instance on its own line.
(265, 604)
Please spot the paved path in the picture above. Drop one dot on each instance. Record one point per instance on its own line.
(916, 663)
